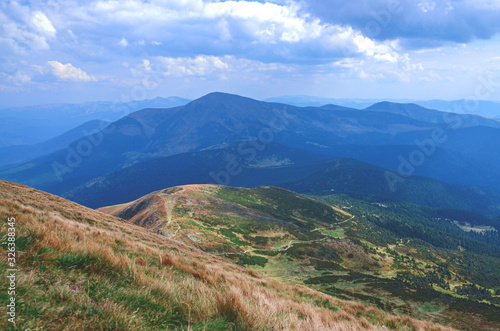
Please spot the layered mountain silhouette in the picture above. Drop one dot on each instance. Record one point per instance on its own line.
(395, 137)
(281, 166)
(434, 116)
(35, 124)
(19, 153)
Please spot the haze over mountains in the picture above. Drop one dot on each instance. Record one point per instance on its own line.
(35, 124)
(18, 153)
(274, 141)
(280, 166)
(489, 109)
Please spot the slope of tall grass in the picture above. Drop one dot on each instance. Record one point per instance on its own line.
(79, 269)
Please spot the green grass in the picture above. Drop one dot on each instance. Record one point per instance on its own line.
(430, 308)
(337, 233)
(248, 260)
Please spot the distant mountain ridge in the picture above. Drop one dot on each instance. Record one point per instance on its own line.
(488, 109)
(284, 167)
(35, 124)
(421, 113)
(19, 153)
(466, 155)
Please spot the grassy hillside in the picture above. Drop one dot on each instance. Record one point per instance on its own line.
(344, 253)
(79, 269)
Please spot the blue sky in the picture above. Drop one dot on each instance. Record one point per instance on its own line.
(75, 51)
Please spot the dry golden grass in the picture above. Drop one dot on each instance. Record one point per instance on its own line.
(135, 276)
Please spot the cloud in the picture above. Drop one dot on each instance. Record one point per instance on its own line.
(206, 66)
(123, 42)
(417, 23)
(255, 42)
(23, 30)
(263, 31)
(69, 72)
(42, 24)
(25, 75)
(199, 66)
(426, 5)
(22, 78)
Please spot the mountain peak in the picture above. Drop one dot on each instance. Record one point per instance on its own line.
(219, 97)
(387, 105)
(225, 106)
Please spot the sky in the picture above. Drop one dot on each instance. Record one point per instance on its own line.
(74, 51)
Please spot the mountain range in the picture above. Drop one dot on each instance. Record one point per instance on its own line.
(406, 140)
(472, 106)
(280, 166)
(19, 153)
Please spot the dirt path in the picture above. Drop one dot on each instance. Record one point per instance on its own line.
(343, 212)
(333, 225)
(292, 243)
(170, 200)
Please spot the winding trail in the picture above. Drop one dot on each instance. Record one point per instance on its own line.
(170, 199)
(333, 225)
(292, 243)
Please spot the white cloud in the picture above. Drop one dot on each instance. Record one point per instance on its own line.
(205, 66)
(72, 36)
(21, 78)
(426, 5)
(280, 31)
(42, 24)
(266, 21)
(19, 39)
(23, 30)
(69, 72)
(200, 65)
(25, 74)
(241, 41)
(123, 42)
